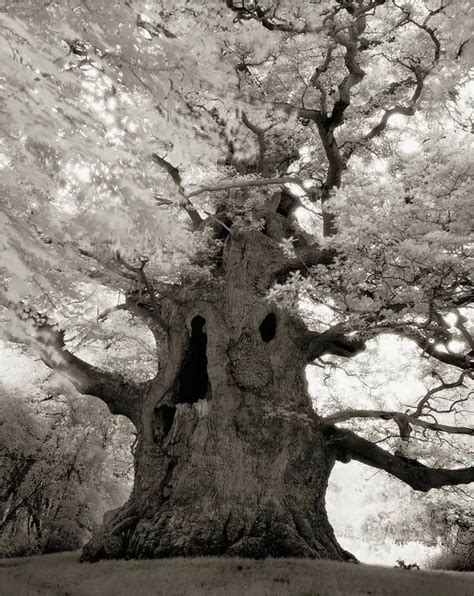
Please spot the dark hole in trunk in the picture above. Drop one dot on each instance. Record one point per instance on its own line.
(268, 327)
(167, 414)
(193, 378)
(288, 204)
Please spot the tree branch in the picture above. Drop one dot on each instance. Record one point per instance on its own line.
(300, 112)
(140, 272)
(120, 395)
(316, 83)
(355, 73)
(328, 124)
(424, 401)
(106, 312)
(246, 184)
(110, 266)
(419, 73)
(350, 414)
(164, 380)
(406, 110)
(36, 329)
(464, 362)
(154, 29)
(416, 475)
(460, 325)
(334, 340)
(253, 11)
(175, 176)
(306, 257)
(260, 134)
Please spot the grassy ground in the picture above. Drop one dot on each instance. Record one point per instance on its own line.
(63, 575)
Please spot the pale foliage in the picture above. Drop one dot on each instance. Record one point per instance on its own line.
(90, 90)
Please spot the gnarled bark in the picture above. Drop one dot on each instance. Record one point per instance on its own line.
(230, 457)
(233, 463)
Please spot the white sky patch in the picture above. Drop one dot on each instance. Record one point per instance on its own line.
(114, 136)
(96, 299)
(451, 319)
(129, 125)
(108, 118)
(380, 166)
(305, 153)
(15, 365)
(302, 216)
(397, 120)
(145, 33)
(95, 91)
(309, 217)
(456, 346)
(295, 190)
(111, 103)
(82, 173)
(465, 100)
(409, 146)
(4, 161)
(321, 314)
(65, 201)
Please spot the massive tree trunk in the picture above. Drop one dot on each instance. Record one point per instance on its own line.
(233, 462)
(230, 457)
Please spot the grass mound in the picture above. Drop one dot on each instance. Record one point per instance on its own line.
(63, 575)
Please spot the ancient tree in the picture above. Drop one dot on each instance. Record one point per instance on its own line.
(230, 168)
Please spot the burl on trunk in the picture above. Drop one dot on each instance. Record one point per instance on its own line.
(229, 458)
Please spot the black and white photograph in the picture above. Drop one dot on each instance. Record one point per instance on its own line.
(236, 297)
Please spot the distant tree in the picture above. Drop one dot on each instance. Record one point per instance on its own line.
(56, 473)
(441, 519)
(264, 185)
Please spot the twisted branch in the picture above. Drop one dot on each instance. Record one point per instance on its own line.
(420, 477)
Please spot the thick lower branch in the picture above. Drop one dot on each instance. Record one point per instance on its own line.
(396, 416)
(306, 257)
(462, 361)
(332, 341)
(36, 329)
(120, 395)
(416, 475)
